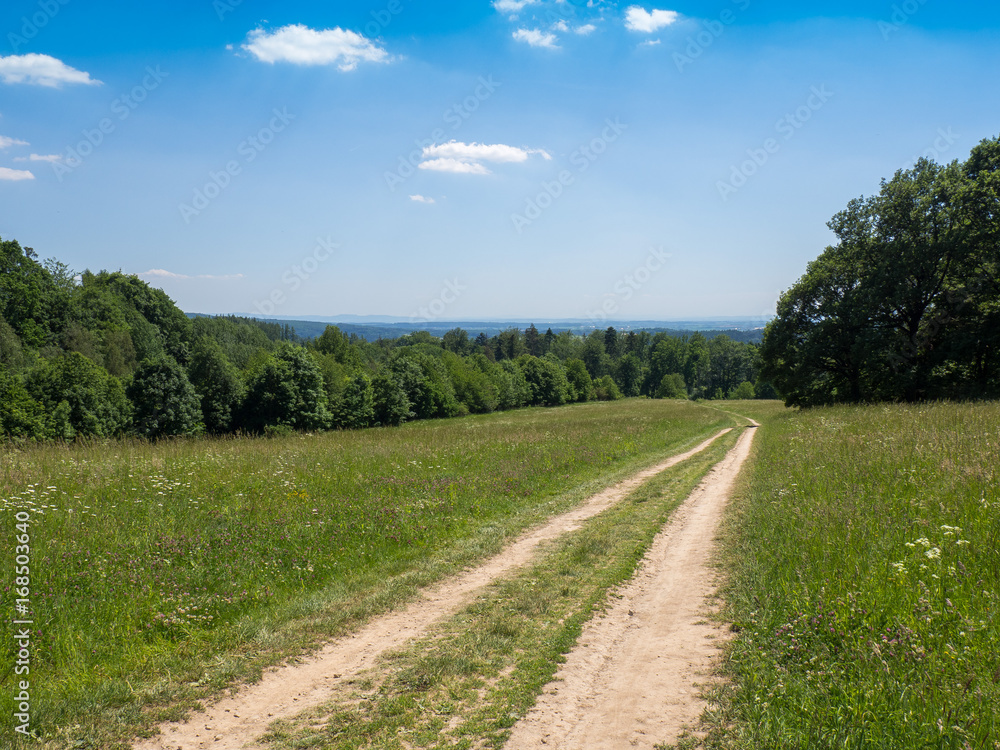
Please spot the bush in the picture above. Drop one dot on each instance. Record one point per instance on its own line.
(672, 386)
(607, 389)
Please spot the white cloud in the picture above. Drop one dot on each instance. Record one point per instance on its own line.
(512, 6)
(6, 142)
(159, 273)
(14, 175)
(481, 152)
(536, 38)
(41, 70)
(454, 166)
(467, 158)
(560, 26)
(639, 19)
(585, 30)
(651, 43)
(421, 199)
(301, 45)
(41, 157)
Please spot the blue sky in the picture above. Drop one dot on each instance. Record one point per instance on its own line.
(478, 159)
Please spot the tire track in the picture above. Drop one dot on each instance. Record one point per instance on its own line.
(632, 679)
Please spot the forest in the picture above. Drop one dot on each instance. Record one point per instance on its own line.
(104, 354)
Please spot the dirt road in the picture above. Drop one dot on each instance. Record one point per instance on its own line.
(632, 679)
(236, 721)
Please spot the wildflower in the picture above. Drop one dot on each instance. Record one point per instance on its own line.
(900, 568)
(933, 554)
(962, 542)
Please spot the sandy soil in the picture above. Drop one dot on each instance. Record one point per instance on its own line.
(237, 721)
(632, 679)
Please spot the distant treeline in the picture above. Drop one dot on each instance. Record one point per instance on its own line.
(310, 329)
(108, 355)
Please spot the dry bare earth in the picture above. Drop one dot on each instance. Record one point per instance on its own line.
(632, 680)
(239, 720)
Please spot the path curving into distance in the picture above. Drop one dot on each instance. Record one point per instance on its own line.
(237, 721)
(632, 679)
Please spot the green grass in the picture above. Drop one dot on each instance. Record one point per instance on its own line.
(864, 559)
(162, 573)
(467, 683)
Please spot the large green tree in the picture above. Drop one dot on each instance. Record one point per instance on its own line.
(218, 385)
(906, 305)
(164, 400)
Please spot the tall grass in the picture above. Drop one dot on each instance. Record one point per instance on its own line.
(162, 572)
(865, 573)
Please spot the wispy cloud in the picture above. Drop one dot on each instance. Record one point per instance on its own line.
(586, 29)
(15, 175)
(651, 43)
(647, 22)
(301, 45)
(41, 157)
(41, 70)
(467, 158)
(6, 142)
(536, 38)
(159, 273)
(512, 6)
(421, 199)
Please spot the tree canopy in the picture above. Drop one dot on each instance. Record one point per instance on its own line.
(906, 305)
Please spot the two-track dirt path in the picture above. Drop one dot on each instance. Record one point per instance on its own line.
(237, 721)
(632, 679)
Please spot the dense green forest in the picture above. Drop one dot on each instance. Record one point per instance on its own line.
(105, 354)
(906, 306)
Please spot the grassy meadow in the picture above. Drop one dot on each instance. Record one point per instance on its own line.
(161, 573)
(864, 559)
